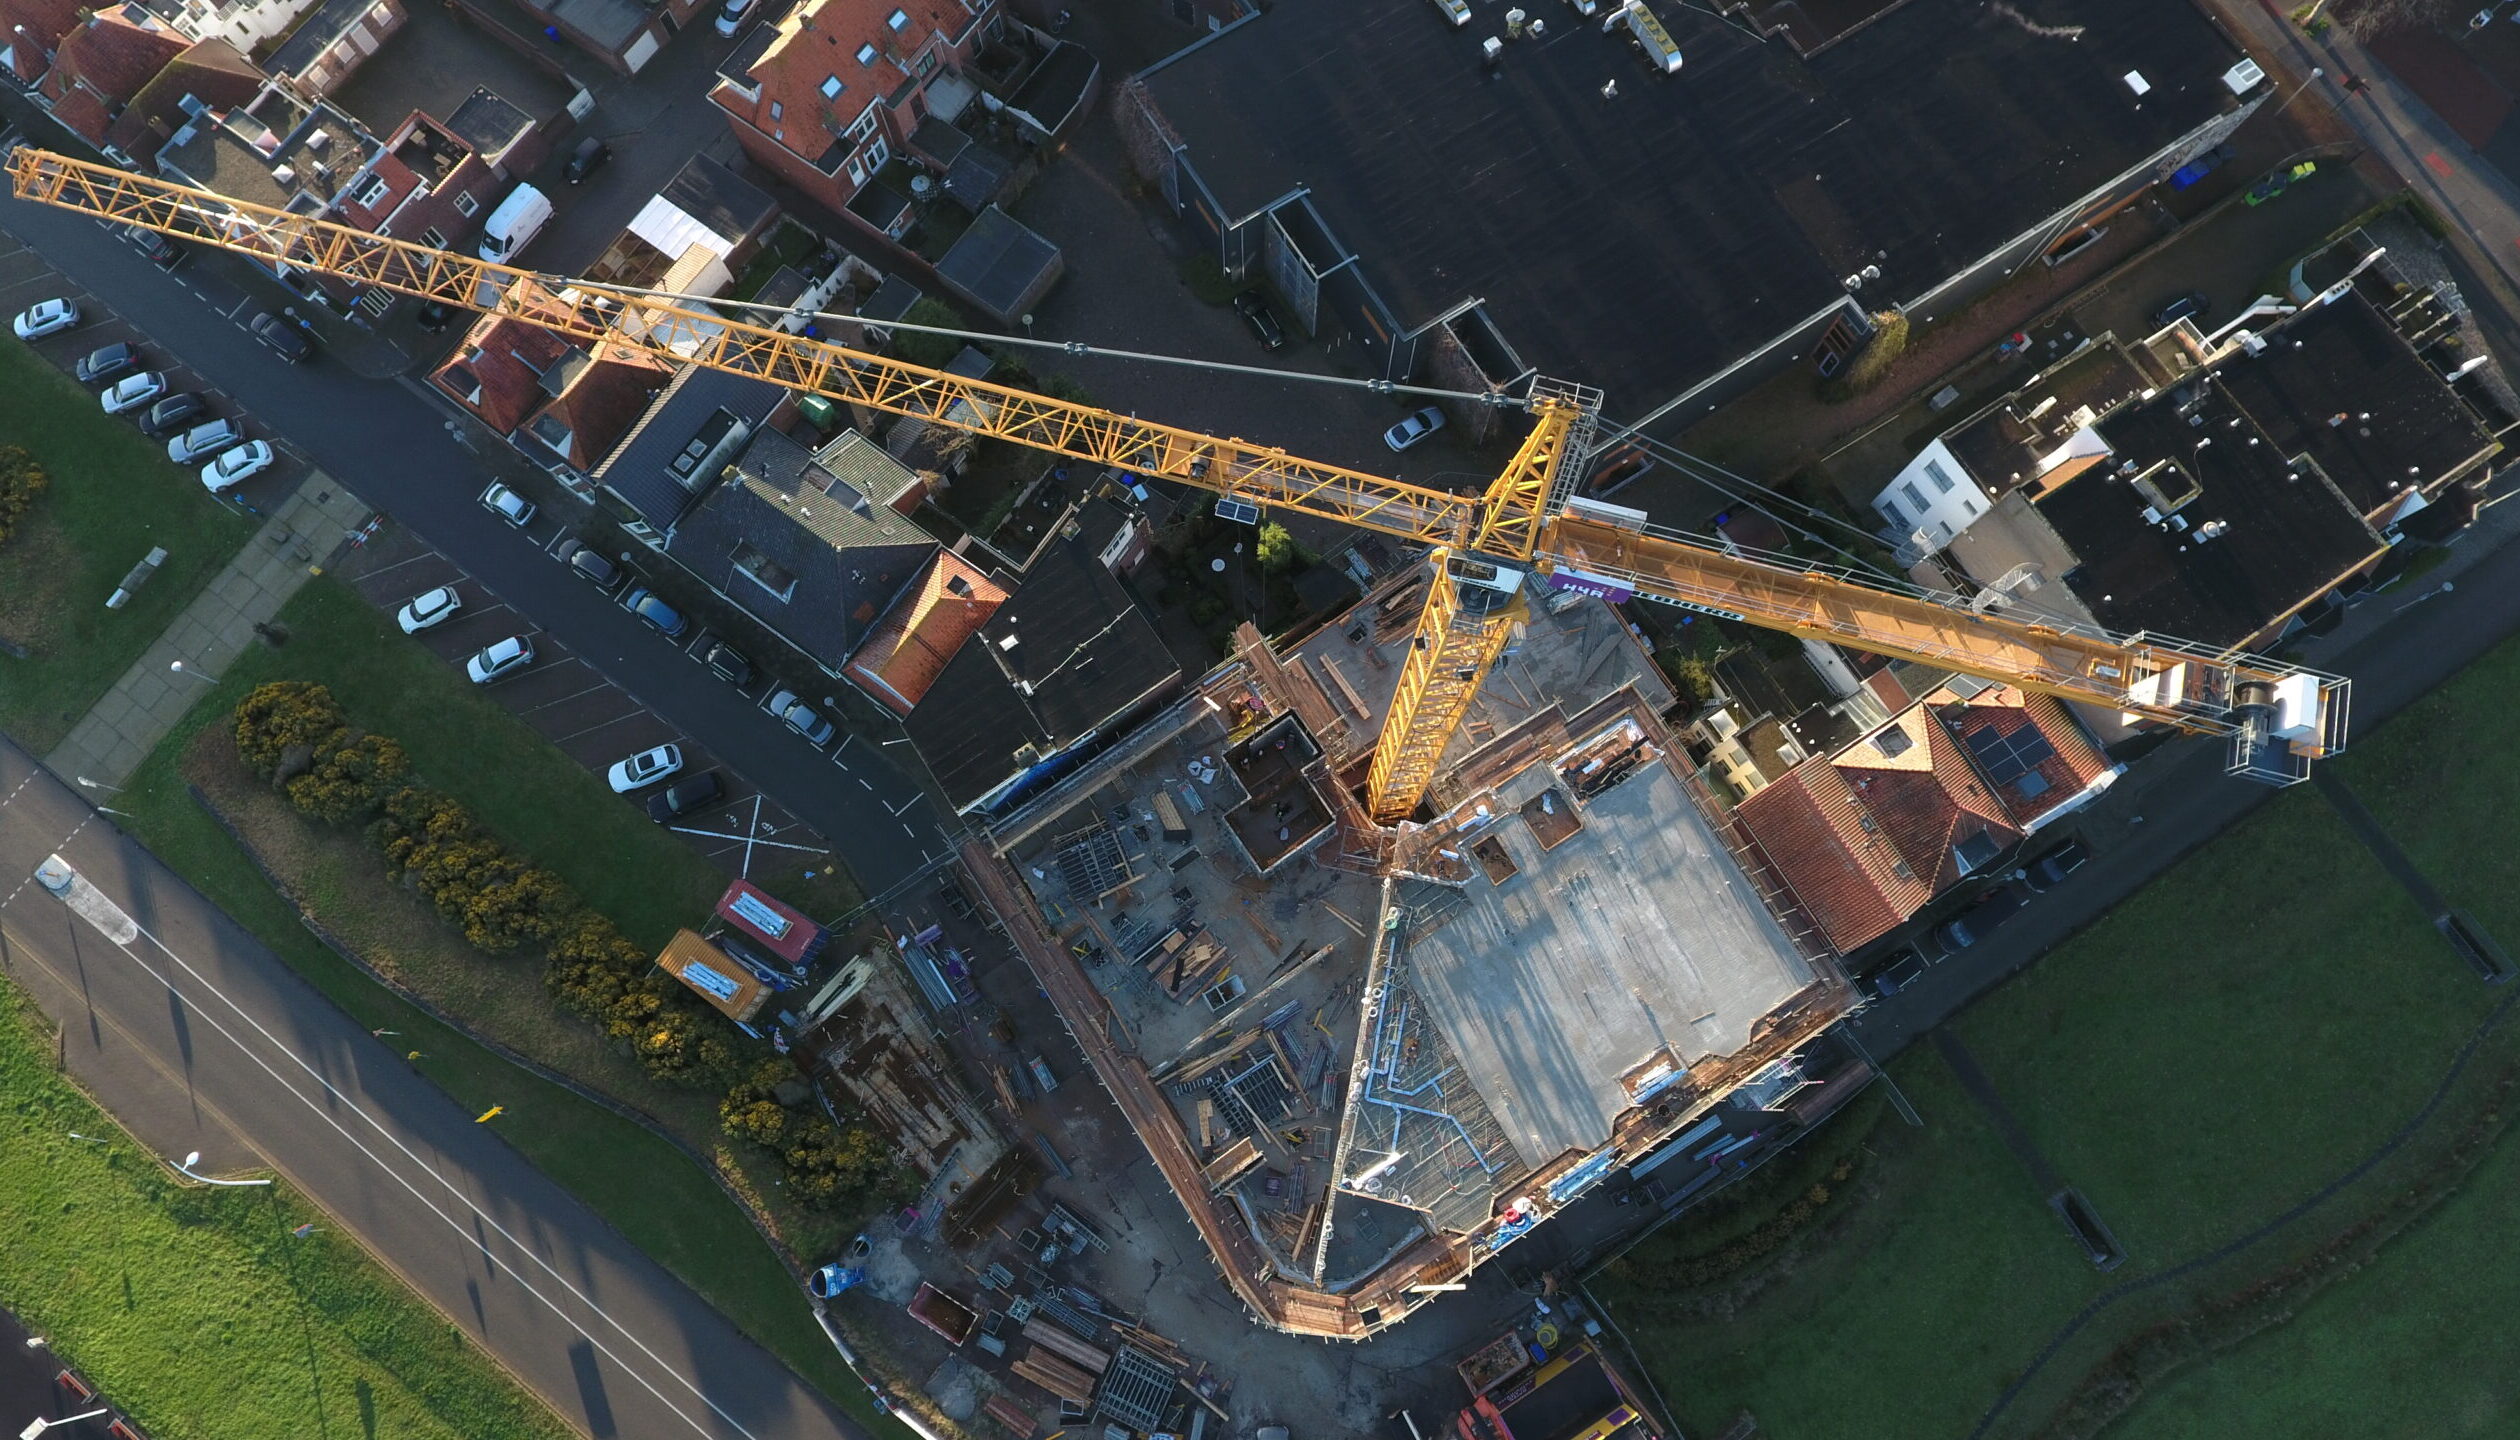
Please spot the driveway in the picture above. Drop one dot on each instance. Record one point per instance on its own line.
(390, 448)
(196, 1037)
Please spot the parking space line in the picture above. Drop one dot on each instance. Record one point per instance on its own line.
(895, 810)
(862, 781)
(572, 695)
(409, 560)
(591, 729)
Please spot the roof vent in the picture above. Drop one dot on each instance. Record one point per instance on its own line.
(2136, 82)
(1893, 742)
(319, 140)
(2244, 77)
(284, 174)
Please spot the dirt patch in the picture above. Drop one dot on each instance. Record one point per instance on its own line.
(339, 883)
(37, 570)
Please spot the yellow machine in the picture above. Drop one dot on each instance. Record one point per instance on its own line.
(1486, 548)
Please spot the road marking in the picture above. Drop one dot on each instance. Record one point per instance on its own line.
(591, 729)
(862, 781)
(572, 695)
(844, 744)
(904, 805)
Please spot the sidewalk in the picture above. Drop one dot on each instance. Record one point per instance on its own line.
(297, 542)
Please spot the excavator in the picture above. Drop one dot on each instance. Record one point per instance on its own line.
(1530, 526)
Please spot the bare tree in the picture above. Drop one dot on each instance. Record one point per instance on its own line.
(2364, 19)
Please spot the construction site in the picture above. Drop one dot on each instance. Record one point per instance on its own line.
(1368, 1059)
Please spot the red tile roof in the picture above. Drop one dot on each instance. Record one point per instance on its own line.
(1865, 837)
(41, 22)
(821, 42)
(2070, 767)
(214, 71)
(604, 400)
(503, 358)
(923, 629)
(108, 60)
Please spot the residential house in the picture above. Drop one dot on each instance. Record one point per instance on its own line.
(31, 32)
(280, 150)
(329, 45)
(102, 63)
(1063, 664)
(829, 95)
(924, 628)
(624, 34)
(1947, 789)
(208, 75)
(680, 447)
(806, 541)
(425, 185)
(563, 406)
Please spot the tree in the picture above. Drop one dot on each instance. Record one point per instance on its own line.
(920, 348)
(21, 480)
(287, 721)
(1276, 549)
(2364, 19)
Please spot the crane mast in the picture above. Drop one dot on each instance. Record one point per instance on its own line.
(1487, 549)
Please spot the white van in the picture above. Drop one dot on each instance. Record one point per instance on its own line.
(517, 220)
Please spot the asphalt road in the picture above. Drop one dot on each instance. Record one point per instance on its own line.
(195, 1033)
(389, 446)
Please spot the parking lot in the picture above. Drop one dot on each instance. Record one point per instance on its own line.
(572, 704)
(25, 279)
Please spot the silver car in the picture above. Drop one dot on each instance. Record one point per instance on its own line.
(203, 441)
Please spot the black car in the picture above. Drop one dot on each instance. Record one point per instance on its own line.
(173, 413)
(1975, 923)
(1905, 969)
(2050, 869)
(684, 796)
(728, 664)
(162, 250)
(110, 362)
(283, 335)
(583, 561)
(585, 160)
(2191, 305)
(1263, 321)
(433, 315)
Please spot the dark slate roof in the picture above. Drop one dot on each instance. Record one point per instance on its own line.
(2344, 358)
(1057, 85)
(1644, 242)
(317, 33)
(719, 198)
(891, 300)
(488, 122)
(801, 548)
(997, 259)
(1083, 648)
(697, 402)
(2290, 537)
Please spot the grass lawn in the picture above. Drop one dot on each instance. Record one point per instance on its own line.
(197, 1311)
(675, 1212)
(113, 496)
(545, 804)
(2215, 1050)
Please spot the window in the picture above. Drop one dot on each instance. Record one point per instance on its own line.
(372, 192)
(866, 54)
(763, 571)
(899, 20)
(831, 87)
(927, 62)
(1940, 477)
(777, 111)
(462, 381)
(552, 431)
(1915, 497)
(864, 127)
(465, 204)
(1890, 510)
(434, 238)
(857, 172)
(877, 154)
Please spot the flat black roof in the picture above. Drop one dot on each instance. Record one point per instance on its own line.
(640, 468)
(717, 197)
(2283, 535)
(2402, 425)
(998, 260)
(1644, 241)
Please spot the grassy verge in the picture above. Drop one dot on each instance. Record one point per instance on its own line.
(113, 496)
(675, 1212)
(2211, 1054)
(197, 1310)
(545, 804)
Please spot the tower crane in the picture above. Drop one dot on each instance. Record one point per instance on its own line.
(1487, 549)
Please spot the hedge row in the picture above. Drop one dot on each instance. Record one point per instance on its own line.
(21, 480)
(1663, 1276)
(297, 736)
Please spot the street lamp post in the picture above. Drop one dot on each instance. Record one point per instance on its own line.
(2316, 72)
(180, 668)
(98, 784)
(39, 1425)
(185, 1169)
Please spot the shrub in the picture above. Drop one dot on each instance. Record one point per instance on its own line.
(349, 780)
(1276, 549)
(920, 348)
(21, 480)
(286, 716)
(1872, 363)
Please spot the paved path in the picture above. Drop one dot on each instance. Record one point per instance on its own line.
(31, 1388)
(129, 720)
(197, 1037)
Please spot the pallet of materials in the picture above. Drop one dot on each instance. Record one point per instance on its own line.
(1092, 1359)
(1060, 1377)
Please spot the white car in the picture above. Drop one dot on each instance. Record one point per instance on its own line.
(515, 509)
(498, 661)
(645, 768)
(731, 18)
(235, 467)
(46, 317)
(133, 391)
(1417, 427)
(434, 607)
(193, 446)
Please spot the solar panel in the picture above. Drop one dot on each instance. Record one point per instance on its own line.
(1241, 512)
(2006, 758)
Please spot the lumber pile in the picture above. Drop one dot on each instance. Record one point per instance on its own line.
(1092, 1359)
(1060, 1377)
